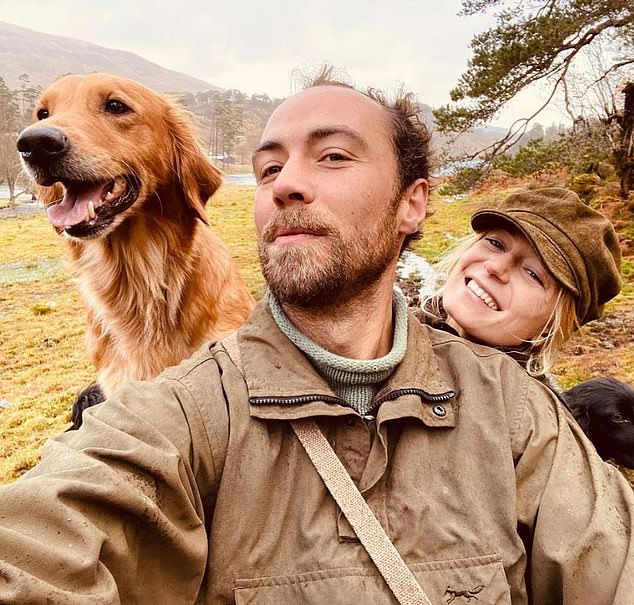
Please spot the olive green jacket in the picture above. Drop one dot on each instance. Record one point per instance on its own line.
(192, 488)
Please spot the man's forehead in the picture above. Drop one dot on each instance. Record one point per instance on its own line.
(326, 105)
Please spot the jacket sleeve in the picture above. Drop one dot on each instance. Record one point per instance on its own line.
(115, 512)
(576, 510)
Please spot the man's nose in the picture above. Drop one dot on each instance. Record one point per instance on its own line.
(292, 184)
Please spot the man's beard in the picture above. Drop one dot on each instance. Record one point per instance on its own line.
(329, 270)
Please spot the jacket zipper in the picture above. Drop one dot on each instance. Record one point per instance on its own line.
(294, 400)
(422, 394)
(299, 399)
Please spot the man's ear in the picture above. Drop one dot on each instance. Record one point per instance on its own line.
(413, 207)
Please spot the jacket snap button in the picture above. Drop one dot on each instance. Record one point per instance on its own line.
(439, 410)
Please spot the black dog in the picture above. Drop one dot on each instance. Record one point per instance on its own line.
(604, 408)
(91, 395)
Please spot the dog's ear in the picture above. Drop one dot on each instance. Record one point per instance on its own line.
(582, 416)
(578, 406)
(198, 177)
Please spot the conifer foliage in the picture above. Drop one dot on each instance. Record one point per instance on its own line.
(540, 41)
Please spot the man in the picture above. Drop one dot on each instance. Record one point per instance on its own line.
(193, 488)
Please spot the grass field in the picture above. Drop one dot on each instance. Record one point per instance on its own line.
(42, 359)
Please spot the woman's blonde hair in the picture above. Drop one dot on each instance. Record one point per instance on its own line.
(542, 350)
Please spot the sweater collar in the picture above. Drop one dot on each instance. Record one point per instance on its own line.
(330, 365)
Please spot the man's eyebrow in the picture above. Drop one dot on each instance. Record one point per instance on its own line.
(328, 131)
(267, 146)
(316, 135)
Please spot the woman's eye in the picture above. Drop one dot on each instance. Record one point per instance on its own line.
(495, 243)
(535, 277)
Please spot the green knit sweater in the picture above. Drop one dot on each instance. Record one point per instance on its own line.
(356, 381)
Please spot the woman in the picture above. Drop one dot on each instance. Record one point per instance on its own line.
(539, 266)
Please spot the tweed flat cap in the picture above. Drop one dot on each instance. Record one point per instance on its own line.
(577, 244)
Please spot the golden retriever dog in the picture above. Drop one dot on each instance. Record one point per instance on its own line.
(123, 178)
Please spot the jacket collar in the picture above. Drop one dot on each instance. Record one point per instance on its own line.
(282, 383)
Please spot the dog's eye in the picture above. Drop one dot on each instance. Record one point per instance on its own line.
(42, 114)
(116, 107)
(620, 419)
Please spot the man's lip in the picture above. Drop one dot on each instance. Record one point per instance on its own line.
(293, 235)
(289, 231)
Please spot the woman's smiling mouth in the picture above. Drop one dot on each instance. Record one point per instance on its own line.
(481, 294)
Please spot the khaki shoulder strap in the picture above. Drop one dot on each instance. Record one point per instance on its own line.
(371, 534)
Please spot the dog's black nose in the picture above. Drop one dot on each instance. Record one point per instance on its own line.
(42, 144)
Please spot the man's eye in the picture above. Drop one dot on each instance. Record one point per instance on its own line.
(335, 157)
(270, 171)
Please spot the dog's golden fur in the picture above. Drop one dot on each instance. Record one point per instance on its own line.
(156, 280)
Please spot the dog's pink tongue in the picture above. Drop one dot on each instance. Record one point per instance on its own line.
(73, 209)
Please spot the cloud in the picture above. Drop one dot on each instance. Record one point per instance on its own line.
(254, 46)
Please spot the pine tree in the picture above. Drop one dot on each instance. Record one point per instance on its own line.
(542, 41)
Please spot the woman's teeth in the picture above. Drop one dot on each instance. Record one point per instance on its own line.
(481, 294)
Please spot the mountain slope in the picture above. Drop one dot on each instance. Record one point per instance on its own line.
(45, 57)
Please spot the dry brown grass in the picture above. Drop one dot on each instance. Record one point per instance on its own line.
(42, 358)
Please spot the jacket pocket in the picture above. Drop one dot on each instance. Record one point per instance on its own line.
(476, 580)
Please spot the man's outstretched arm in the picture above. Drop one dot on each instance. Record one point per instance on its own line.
(113, 513)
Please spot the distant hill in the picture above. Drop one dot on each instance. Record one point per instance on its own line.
(45, 57)
(466, 143)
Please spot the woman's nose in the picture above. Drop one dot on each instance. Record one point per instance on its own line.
(498, 266)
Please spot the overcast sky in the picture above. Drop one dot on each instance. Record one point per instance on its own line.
(253, 45)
